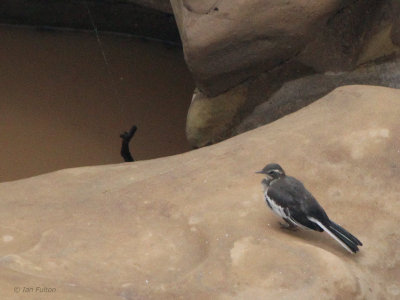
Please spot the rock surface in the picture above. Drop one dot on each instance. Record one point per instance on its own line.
(209, 119)
(298, 93)
(276, 100)
(222, 48)
(283, 41)
(195, 225)
(161, 5)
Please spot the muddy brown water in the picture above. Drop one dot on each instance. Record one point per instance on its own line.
(61, 106)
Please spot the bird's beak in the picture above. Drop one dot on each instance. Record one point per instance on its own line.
(259, 172)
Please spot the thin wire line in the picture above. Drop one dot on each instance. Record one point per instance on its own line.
(101, 47)
(97, 35)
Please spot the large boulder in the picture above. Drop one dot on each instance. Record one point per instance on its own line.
(196, 226)
(263, 44)
(226, 42)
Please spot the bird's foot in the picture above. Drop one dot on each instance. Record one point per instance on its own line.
(287, 226)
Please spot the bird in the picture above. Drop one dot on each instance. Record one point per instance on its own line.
(289, 199)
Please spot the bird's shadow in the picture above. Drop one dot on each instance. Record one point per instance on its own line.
(316, 239)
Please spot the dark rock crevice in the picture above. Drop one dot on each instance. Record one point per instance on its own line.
(114, 16)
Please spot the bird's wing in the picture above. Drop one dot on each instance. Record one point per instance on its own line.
(292, 196)
(288, 192)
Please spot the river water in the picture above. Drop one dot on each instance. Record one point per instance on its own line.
(63, 105)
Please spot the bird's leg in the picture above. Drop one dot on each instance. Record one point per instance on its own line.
(289, 225)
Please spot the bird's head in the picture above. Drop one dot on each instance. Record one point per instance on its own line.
(272, 171)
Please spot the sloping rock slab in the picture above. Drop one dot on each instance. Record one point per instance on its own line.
(195, 226)
(298, 93)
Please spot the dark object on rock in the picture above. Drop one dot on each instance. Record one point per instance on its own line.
(126, 138)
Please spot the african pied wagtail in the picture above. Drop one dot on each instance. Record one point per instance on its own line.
(289, 199)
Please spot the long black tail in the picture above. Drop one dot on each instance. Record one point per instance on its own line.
(345, 233)
(126, 138)
(341, 235)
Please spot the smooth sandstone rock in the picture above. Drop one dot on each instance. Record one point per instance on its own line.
(209, 119)
(226, 42)
(195, 226)
(283, 41)
(204, 126)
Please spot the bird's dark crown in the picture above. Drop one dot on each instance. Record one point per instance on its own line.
(273, 171)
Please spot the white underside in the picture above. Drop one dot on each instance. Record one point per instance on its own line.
(279, 211)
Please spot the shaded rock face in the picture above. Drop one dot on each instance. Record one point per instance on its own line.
(298, 93)
(161, 5)
(209, 119)
(263, 45)
(195, 225)
(395, 30)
